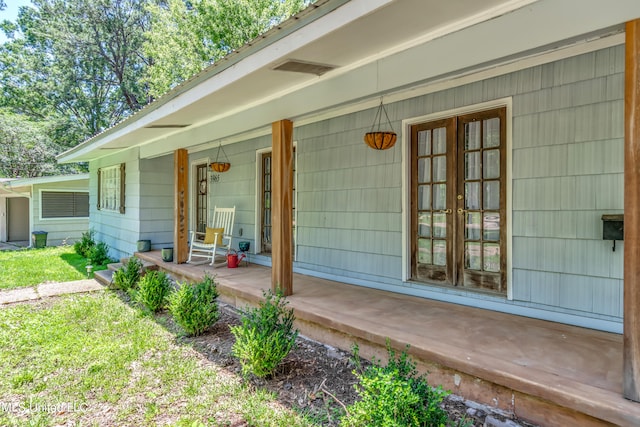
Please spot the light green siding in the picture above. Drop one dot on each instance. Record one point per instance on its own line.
(59, 230)
(566, 154)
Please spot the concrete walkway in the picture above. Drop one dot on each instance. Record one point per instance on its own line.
(48, 290)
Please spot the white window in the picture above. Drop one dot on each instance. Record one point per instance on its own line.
(111, 188)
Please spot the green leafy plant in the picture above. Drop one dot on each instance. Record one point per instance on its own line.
(85, 244)
(152, 290)
(128, 276)
(394, 395)
(265, 336)
(195, 307)
(99, 253)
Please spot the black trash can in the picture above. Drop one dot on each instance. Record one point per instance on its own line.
(39, 239)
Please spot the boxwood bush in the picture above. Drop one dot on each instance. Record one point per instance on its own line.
(152, 290)
(265, 336)
(195, 307)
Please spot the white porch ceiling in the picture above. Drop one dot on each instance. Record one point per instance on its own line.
(377, 47)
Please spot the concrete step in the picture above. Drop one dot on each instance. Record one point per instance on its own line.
(104, 276)
(146, 265)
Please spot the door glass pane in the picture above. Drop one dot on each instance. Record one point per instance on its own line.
(491, 164)
(472, 195)
(440, 252)
(424, 225)
(472, 165)
(472, 258)
(424, 251)
(492, 195)
(440, 141)
(439, 196)
(424, 170)
(424, 197)
(424, 143)
(472, 226)
(491, 226)
(439, 225)
(492, 132)
(492, 257)
(472, 136)
(439, 168)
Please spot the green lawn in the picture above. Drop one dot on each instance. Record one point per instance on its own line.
(93, 360)
(29, 267)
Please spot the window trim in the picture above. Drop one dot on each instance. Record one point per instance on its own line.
(506, 102)
(59, 190)
(121, 195)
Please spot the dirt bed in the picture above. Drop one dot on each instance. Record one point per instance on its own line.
(315, 378)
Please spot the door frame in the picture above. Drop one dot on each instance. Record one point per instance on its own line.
(406, 183)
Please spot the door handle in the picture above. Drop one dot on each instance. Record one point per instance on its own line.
(445, 211)
(461, 211)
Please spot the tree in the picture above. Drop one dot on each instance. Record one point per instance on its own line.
(187, 36)
(78, 59)
(26, 150)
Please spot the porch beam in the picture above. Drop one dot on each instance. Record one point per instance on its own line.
(181, 205)
(631, 364)
(282, 207)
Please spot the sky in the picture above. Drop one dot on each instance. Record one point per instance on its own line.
(11, 12)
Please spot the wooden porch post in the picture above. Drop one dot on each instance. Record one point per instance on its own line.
(180, 205)
(631, 373)
(281, 207)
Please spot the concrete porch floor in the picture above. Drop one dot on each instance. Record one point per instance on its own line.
(543, 372)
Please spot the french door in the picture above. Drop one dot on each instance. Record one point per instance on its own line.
(201, 187)
(265, 203)
(458, 201)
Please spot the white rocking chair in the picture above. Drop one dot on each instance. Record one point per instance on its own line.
(216, 238)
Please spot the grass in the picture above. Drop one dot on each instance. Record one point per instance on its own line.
(29, 267)
(104, 363)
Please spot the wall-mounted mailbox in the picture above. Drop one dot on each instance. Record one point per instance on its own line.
(613, 228)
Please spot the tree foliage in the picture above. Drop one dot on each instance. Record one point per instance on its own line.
(82, 66)
(26, 150)
(79, 58)
(187, 36)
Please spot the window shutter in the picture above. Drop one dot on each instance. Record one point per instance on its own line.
(122, 176)
(99, 187)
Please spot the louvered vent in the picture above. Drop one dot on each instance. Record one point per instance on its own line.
(304, 67)
(169, 126)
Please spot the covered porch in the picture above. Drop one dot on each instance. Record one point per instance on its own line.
(547, 373)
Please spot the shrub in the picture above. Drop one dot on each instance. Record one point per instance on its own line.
(265, 336)
(128, 276)
(153, 288)
(85, 244)
(99, 253)
(195, 307)
(394, 395)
